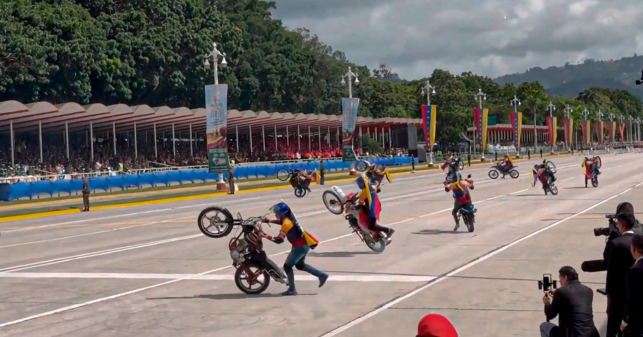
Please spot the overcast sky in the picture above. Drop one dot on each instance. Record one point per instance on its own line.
(487, 37)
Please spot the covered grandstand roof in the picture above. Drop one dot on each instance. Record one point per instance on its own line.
(26, 118)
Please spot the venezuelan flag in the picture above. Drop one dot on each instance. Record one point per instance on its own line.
(374, 206)
(316, 177)
(388, 176)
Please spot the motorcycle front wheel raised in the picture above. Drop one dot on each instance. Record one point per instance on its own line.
(221, 220)
(241, 276)
(332, 202)
(377, 246)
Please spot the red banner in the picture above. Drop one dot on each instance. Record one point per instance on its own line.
(584, 126)
(621, 128)
(569, 127)
(610, 131)
(599, 131)
(550, 130)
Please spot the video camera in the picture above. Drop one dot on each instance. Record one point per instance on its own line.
(609, 231)
(639, 82)
(547, 283)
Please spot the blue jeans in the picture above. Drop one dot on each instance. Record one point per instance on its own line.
(296, 258)
(546, 328)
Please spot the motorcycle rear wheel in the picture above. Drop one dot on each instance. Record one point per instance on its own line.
(553, 189)
(469, 222)
(223, 222)
(595, 181)
(376, 246)
(300, 192)
(241, 274)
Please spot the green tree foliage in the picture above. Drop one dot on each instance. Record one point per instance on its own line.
(152, 52)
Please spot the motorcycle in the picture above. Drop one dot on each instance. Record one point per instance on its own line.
(468, 215)
(593, 175)
(376, 179)
(550, 187)
(293, 177)
(252, 265)
(337, 203)
(496, 170)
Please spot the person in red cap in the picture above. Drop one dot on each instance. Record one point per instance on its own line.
(434, 325)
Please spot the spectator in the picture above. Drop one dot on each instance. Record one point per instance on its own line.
(572, 303)
(85, 195)
(434, 325)
(632, 324)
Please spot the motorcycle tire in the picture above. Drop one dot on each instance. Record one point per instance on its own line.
(460, 165)
(361, 165)
(599, 162)
(514, 174)
(595, 181)
(250, 291)
(553, 189)
(376, 246)
(300, 192)
(283, 174)
(227, 220)
(493, 174)
(469, 222)
(330, 199)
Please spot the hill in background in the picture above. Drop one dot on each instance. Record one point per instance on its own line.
(569, 80)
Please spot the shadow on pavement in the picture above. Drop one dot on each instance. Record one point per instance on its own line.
(438, 232)
(530, 195)
(239, 296)
(340, 254)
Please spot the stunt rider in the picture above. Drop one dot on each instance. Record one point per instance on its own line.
(301, 241)
(544, 174)
(301, 178)
(590, 168)
(451, 164)
(461, 194)
(506, 164)
(371, 206)
(375, 176)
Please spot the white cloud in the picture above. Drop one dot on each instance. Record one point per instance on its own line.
(416, 36)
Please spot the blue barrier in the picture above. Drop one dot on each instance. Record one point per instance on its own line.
(33, 189)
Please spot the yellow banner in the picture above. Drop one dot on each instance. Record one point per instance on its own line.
(485, 115)
(554, 133)
(519, 128)
(434, 111)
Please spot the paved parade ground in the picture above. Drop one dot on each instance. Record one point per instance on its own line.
(148, 271)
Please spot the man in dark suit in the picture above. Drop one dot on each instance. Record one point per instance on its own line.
(632, 324)
(85, 195)
(617, 260)
(572, 303)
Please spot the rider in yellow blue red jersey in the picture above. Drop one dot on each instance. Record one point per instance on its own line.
(461, 194)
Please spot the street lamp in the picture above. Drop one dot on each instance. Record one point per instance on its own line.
(516, 102)
(568, 111)
(350, 75)
(428, 90)
(585, 113)
(480, 96)
(215, 54)
(552, 108)
(600, 115)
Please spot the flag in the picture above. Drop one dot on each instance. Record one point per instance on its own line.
(216, 120)
(429, 123)
(569, 130)
(611, 131)
(553, 143)
(316, 177)
(599, 130)
(516, 126)
(481, 120)
(621, 128)
(585, 128)
(550, 130)
(388, 176)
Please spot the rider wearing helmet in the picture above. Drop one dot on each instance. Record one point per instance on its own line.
(301, 242)
(461, 194)
(451, 164)
(544, 174)
(301, 178)
(506, 164)
(371, 206)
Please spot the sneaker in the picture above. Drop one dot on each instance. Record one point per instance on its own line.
(322, 280)
(289, 293)
(456, 227)
(391, 232)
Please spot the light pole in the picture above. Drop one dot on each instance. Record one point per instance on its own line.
(215, 54)
(480, 96)
(428, 90)
(568, 111)
(516, 102)
(551, 108)
(350, 75)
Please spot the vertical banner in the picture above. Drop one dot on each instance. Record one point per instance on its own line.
(586, 130)
(555, 132)
(216, 104)
(621, 128)
(429, 122)
(477, 122)
(485, 121)
(611, 131)
(516, 126)
(599, 130)
(568, 123)
(550, 131)
(349, 121)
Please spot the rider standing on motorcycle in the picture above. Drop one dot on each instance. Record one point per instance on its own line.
(451, 164)
(301, 242)
(371, 206)
(505, 164)
(590, 168)
(461, 194)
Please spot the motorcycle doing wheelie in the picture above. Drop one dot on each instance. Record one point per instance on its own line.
(592, 173)
(546, 178)
(467, 214)
(337, 203)
(299, 185)
(253, 267)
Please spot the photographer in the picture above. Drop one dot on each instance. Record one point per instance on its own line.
(572, 302)
(617, 260)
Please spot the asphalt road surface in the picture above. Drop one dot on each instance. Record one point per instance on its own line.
(148, 271)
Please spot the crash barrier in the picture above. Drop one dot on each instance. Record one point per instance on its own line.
(105, 183)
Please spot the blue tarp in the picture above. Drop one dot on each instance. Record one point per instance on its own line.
(32, 189)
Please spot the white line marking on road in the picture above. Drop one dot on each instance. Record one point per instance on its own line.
(439, 279)
(500, 196)
(526, 189)
(216, 277)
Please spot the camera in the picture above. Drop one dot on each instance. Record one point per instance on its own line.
(638, 82)
(547, 283)
(607, 231)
